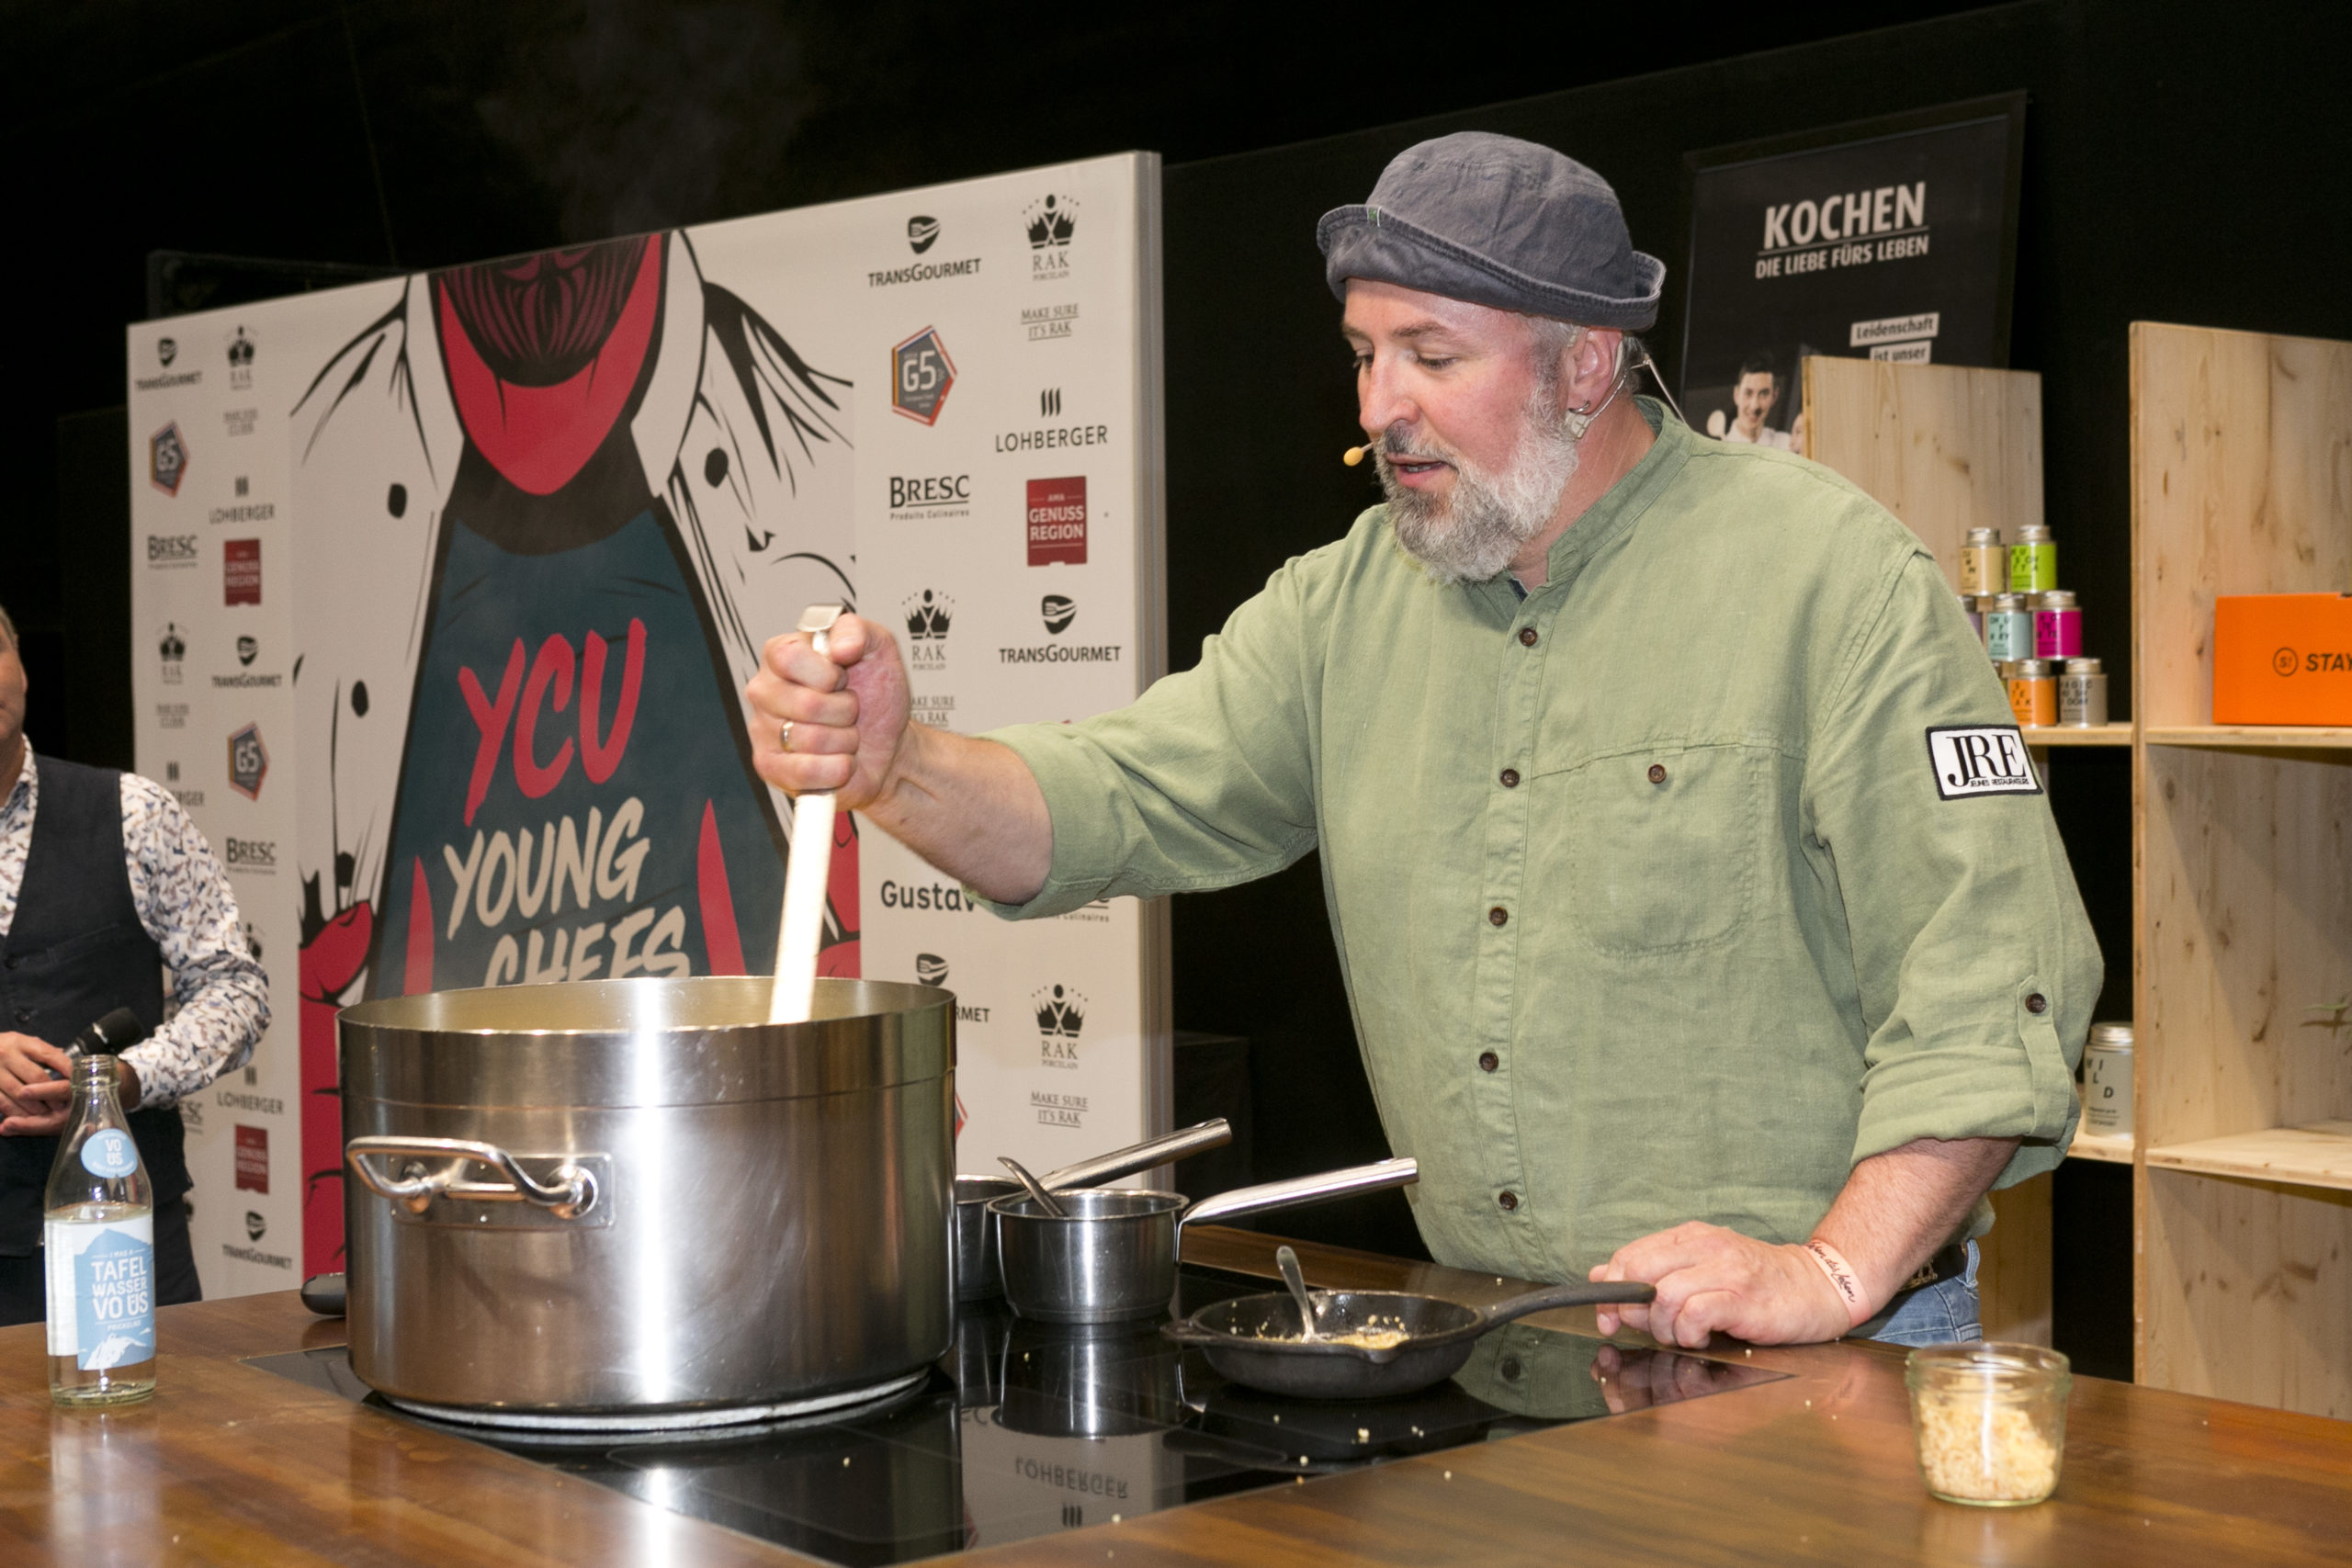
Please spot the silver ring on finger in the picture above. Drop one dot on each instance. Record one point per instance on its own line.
(784, 736)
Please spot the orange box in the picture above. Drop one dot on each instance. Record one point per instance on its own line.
(2282, 658)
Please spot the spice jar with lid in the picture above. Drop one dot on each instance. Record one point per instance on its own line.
(1984, 563)
(1990, 1419)
(2106, 1081)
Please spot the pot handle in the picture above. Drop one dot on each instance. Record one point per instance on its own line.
(1300, 1190)
(1591, 1292)
(1168, 1147)
(570, 1195)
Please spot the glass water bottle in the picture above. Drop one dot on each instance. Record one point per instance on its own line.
(98, 1248)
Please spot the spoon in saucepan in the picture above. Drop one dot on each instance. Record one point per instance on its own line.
(1287, 1261)
(1045, 1200)
(806, 873)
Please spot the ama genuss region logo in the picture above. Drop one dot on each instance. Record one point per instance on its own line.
(1062, 1015)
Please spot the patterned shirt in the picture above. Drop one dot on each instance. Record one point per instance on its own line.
(220, 996)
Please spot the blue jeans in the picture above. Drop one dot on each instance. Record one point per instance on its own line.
(1943, 1314)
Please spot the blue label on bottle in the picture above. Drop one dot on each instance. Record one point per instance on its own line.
(110, 1154)
(101, 1292)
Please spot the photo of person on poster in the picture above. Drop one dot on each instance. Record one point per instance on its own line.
(1754, 397)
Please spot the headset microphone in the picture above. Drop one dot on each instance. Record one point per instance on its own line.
(1355, 455)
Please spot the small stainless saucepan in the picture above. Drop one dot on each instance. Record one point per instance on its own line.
(1113, 1256)
(977, 1278)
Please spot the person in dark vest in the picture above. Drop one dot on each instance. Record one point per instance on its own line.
(107, 894)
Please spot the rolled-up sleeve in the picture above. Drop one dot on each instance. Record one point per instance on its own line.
(1976, 965)
(1206, 781)
(219, 993)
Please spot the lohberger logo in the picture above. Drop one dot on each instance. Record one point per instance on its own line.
(248, 762)
(936, 897)
(171, 550)
(928, 615)
(933, 496)
(171, 648)
(1843, 228)
(1056, 520)
(1052, 437)
(1051, 222)
(192, 799)
(258, 856)
(1062, 1015)
(920, 377)
(167, 350)
(253, 1162)
(241, 571)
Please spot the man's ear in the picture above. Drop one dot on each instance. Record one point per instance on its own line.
(1596, 363)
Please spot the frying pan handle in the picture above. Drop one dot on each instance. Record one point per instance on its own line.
(571, 1194)
(1185, 1331)
(1595, 1293)
(1168, 1147)
(1302, 1189)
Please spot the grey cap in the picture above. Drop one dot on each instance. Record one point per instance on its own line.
(1497, 221)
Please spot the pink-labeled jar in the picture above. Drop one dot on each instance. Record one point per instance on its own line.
(2057, 626)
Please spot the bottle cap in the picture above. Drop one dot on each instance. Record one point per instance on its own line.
(2112, 1036)
(2083, 667)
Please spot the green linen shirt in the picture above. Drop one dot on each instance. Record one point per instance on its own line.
(1649, 901)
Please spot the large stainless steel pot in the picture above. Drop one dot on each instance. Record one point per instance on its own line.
(632, 1203)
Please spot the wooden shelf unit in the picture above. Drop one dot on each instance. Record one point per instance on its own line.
(2107, 1150)
(2243, 840)
(2039, 735)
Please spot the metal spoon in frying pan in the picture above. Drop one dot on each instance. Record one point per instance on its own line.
(1037, 1189)
(1287, 1261)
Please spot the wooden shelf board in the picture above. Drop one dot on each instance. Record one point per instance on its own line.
(2077, 735)
(2116, 1150)
(2253, 737)
(2318, 1153)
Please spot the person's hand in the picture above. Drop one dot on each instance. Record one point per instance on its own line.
(32, 1104)
(847, 707)
(1712, 1280)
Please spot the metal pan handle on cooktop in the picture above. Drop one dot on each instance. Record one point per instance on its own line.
(1166, 1148)
(570, 1195)
(1300, 1190)
(1577, 1293)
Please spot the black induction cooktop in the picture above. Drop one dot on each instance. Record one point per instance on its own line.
(1026, 1429)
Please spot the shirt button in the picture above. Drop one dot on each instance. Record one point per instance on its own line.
(1657, 772)
(1527, 637)
(1511, 781)
(1500, 915)
(1489, 1061)
(2037, 1003)
(1509, 1200)
(24, 1015)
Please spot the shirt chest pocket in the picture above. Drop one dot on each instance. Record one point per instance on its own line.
(1661, 844)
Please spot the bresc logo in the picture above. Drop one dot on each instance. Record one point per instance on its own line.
(170, 550)
(930, 496)
(1061, 1014)
(167, 459)
(928, 614)
(256, 855)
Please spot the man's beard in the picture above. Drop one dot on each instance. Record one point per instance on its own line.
(1473, 533)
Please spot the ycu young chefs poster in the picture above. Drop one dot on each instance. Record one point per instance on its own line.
(1894, 239)
(447, 588)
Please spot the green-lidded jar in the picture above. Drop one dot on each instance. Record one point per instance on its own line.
(2033, 560)
(1990, 1421)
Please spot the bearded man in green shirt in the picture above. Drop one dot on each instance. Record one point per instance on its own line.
(1702, 918)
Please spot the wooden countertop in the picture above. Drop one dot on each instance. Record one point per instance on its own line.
(231, 1466)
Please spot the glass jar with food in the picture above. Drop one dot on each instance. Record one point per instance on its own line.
(1990, 1419)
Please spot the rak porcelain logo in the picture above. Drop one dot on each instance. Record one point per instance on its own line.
(1061, 1016)
(167, 458)
(172, 649)
(928, 615)
(248, 762)
(1051, 222)
(920, 377)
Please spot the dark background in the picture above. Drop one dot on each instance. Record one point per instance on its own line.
(2182, 164)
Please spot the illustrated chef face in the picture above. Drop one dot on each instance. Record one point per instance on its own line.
(1465, 404)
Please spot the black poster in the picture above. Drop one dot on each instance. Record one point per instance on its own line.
(1893, 239)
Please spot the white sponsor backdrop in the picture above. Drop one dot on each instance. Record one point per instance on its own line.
(882, 398)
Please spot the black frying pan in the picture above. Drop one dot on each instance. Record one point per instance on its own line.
(1255, 1340)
